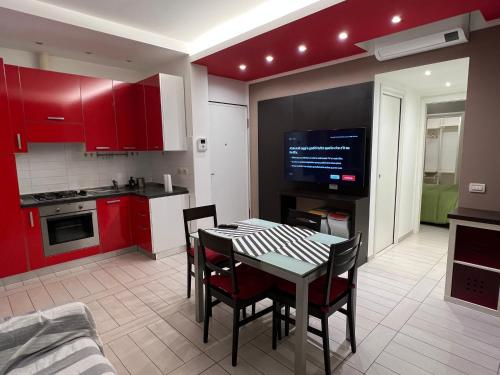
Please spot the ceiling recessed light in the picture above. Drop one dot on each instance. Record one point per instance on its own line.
(448, 84)
(396, 19)
(302, 48)
(343, 35)
(269, 58)
(427, 73)
(243, 67)
(39, 43)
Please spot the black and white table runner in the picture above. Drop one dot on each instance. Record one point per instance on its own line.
(244, 229)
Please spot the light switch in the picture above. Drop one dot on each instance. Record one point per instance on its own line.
(474, 187)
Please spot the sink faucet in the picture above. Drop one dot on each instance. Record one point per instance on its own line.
(115, 184)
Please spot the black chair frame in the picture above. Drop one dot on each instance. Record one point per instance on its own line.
(225, 246)
(343, 258)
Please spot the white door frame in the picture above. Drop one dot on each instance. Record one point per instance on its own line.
(248, 151)
(383, 87)
(419, 170)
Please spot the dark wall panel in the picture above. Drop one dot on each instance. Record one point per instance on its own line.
(342, 107)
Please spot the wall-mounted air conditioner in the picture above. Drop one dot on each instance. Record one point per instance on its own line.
(422, 44)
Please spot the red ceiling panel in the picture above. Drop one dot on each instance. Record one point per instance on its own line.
(363, 20)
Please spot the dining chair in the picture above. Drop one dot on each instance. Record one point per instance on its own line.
(327, 295)
(238, 286)
(304, 219)
(197, 213)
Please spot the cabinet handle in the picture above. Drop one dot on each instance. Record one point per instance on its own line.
(102, 148)
(129, 147)
(19, 142)
(32, 222)
(55, 118)
(112, 202)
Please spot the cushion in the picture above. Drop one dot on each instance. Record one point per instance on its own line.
(317, 289)
(212, 256)
(251, 282)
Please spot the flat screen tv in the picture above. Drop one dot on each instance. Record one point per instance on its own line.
(334, 156)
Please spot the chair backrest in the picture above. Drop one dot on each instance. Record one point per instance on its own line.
(196, 213)
(343, 258)
(304, 220)
(222, 246)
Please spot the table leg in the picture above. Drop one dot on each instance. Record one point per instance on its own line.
(198, 282)
(302, 319)
(347, 335)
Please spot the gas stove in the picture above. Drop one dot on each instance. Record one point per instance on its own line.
(56, 195)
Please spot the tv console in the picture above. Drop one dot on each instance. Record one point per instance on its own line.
(356, 206)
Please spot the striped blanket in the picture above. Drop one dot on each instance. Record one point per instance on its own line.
(61, 340)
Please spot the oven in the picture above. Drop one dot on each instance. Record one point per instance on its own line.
(68, 227)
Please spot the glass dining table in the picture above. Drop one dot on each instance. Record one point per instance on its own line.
(297, 255)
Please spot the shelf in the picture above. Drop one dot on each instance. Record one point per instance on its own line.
(496, 270)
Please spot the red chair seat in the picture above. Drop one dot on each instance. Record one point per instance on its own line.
(317, 289)
(251, 282)
(212, 256)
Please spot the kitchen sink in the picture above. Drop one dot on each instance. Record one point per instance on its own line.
(102, 190)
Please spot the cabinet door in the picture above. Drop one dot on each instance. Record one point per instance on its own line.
(52, 106)
(130, 116)
(152, 97)
(33, 235)
(6, 144)
(16, 108)
(141, 226)
(12, 243)
(114, 223)
(99, 114)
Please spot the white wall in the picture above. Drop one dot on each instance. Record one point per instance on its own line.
(225, 90)
(52, 167)
(64, 65)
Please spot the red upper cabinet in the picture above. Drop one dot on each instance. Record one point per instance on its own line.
(130, 116)
(99, 114)
(152, 96)
(114, 223)
(6, 144)
(52, 106)
(14, 94)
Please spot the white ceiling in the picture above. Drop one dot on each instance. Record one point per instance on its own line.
(455, 72)
(184, 20)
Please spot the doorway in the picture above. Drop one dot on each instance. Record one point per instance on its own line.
(229, 161)
(399, 174)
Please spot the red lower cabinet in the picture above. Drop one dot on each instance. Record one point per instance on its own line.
(33, 236)
(12, 244)
(141, 225)
(114, 223)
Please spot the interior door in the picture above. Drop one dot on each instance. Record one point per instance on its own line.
(388, 149)
(228, 147)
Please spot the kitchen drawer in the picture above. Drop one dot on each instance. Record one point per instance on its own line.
(475, 285)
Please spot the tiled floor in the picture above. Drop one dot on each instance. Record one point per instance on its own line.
(148, 327)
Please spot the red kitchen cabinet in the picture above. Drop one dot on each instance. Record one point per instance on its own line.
(141, 225)
(52, 106)
(33, 238)
(114, 223)
(130, 116)
(6, 145)
(14, 94)
(99, 114)
(152, 98)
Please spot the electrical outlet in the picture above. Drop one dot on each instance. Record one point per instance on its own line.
(182, 171)
(475, 187)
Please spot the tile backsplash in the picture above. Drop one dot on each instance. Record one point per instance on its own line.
(52, 167)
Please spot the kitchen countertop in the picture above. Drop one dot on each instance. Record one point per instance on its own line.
(479, 216)
(152, 190)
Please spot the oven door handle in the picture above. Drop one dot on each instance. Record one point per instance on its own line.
(115, 201)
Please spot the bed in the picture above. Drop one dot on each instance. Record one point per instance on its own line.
(437, 202)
